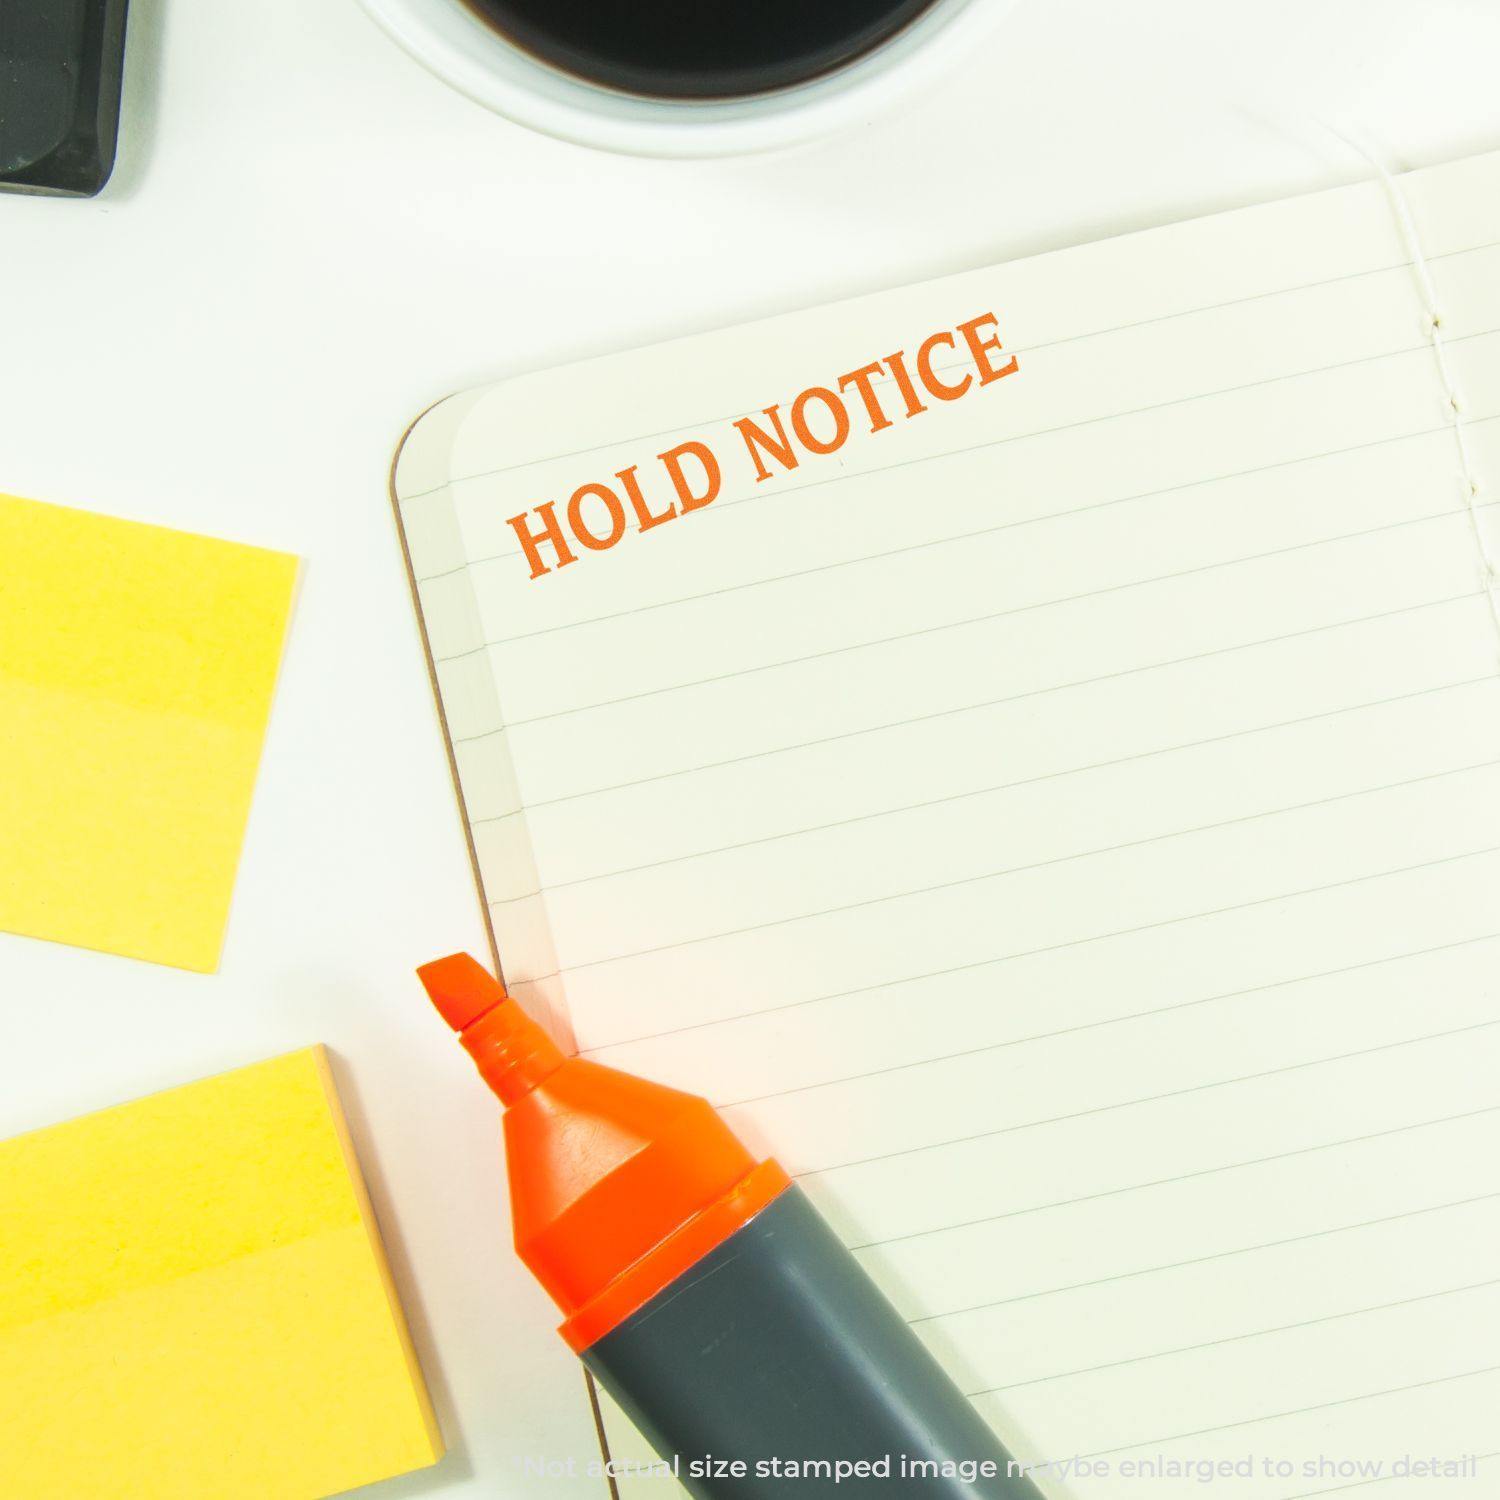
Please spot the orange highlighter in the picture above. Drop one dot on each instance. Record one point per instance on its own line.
(704, 1291)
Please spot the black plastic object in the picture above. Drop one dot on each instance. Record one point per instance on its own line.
(778, 1347)
(60, 68)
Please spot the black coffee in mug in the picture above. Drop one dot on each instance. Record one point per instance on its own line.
(698, 49)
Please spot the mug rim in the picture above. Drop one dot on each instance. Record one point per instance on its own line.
(452, 42)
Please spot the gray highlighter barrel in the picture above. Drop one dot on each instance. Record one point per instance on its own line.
(777, 1349)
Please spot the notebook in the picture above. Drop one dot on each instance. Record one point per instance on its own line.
(1061, 823)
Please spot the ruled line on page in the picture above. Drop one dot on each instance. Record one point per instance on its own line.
(969, 536)
(1105, 1109)
(1002, 958)
(1359, 1484)
(1199, 1260)
(1010, 612)
(1093, 333)
(1032, 866)
(1296, 1411)
(719, 506)
(1156, 1182)
(1239, 1338)
(983, 791)
(1466, 596)
(1045, 1036)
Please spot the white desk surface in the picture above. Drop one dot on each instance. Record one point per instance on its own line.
(307, 239)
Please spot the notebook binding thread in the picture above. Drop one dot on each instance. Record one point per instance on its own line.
(1469, 482)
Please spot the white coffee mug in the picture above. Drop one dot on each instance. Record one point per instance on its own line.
(447, 37)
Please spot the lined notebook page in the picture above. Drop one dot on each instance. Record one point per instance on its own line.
(1065, 828)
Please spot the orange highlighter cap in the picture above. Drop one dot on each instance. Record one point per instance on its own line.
(617, 1185)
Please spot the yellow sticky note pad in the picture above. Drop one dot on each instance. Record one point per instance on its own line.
(136, 671)
(194, 1302)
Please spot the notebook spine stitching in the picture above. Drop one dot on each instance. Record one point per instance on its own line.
(1470, 485)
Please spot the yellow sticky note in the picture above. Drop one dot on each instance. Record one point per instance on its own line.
(194, 1302)
(136, 671)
